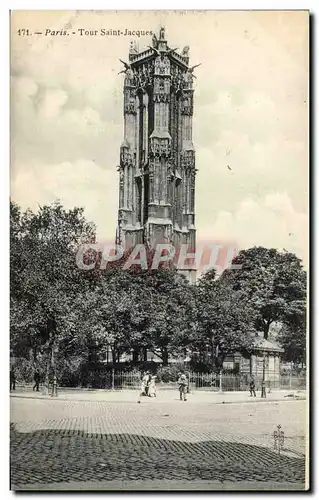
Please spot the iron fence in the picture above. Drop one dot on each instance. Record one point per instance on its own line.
(205, 381)
(231, 382)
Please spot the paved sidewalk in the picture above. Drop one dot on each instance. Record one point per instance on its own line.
(169, 396)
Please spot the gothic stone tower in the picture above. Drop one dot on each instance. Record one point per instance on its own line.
(157, 158)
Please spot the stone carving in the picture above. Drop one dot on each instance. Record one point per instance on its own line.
(188, 159)
(133, 48)
(121, 177)
(127, 67)
(187, 110)
(181, 79)
(185, 51)
(160, 147)
(188, 80)
(187, 106)
(162, 66)
(154, 49)
(154, 41)
(191, 70)
(177, 81)
(143, 76)
(162, 33)
(140, 79)
(126, 158)
(161, 90)
(130, 108)
(161, 98)
(130, 101)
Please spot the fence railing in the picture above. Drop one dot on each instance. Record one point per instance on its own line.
(230, 382)
(205, 381)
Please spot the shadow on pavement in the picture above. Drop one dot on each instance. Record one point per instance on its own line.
(50, 456)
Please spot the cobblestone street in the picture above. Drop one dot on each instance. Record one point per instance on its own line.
(61, 442)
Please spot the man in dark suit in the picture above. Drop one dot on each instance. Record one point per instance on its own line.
(36, 380)
(12, 380)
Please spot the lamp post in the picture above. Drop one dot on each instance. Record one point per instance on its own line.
(55, 385)
(263, 384)
(113, 369)
(186, 361)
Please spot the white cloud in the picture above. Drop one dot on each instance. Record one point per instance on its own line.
(52, 104)
(85, 184)
(272, 222)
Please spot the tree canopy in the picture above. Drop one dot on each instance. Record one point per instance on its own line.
(57, 307)
(275, 283)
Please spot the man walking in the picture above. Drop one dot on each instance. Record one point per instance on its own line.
(12, 380)
(252, 386)
(36, 380)
(182, 384)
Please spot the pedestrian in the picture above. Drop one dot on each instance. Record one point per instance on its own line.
(252, 386)
(36, 380)
(147, 382)
(12, 380)
(152, 387)
(182, 384)
(144, 386)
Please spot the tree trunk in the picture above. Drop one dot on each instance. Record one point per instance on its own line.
(114, 356)
(213, 354)
(145, 355)
(47, 371)
(165, 356)
(135, 356)
(33, 354)
(266, 328)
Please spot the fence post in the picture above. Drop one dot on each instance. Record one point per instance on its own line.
(220, 382)
(113, 376)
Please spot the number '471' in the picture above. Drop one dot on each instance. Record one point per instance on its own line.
(23, 32)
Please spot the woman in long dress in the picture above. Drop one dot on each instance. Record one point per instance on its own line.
(152, 387)
(144, 386)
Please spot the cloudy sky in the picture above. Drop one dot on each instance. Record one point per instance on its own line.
(251, 113)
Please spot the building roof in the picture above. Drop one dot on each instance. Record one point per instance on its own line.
(261, 344)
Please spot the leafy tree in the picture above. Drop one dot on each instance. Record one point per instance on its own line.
(136, 311)
(108, 315)
(225, 319)
(44, 277)
(173, 325)
(273, 281)
(292, 338)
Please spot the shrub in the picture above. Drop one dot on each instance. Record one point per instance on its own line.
(169, 373)
(24, 370)
(69, 371)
